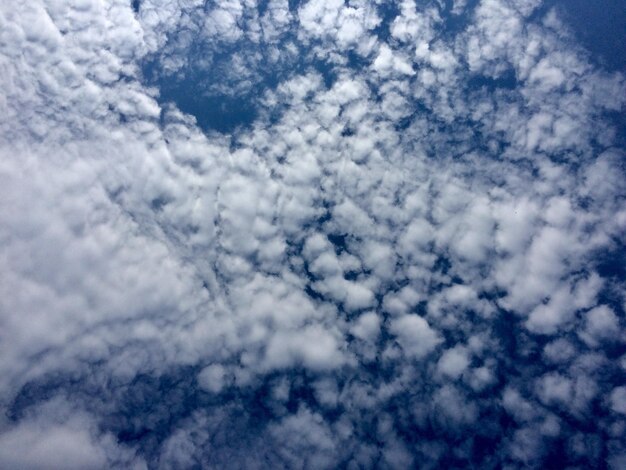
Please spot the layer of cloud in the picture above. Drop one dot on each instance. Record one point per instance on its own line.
(410, 257)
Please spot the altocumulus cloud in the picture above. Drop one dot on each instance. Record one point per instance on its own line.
(323, 234)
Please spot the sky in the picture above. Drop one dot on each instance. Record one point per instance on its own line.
(312, 234)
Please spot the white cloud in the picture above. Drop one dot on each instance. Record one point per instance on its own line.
(451, 408)
(415, 335)
(618, 400)
(453, 362)
(398, 236)
(554, 388)
(346, 25)
(54, 439)
(55, 448)
(311, 346)
(601, 324)
(212, 378)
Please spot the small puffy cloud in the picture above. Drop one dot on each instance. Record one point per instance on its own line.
(481, 378)
(366, 327)
(222, 21)
(311, 346)
(388, 63)
(454, 362)
(554, 388)
(345, 25)
(517, 406)
(212, 378)
(601, 324)
(415, 335)
(559, 351)
(618, 400)
(309, 441)
(562, 305)
(453, 411)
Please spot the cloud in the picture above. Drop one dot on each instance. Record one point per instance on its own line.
(55, 436)
(453, 362)
(409, 255)
(618, 400)
(415, 335)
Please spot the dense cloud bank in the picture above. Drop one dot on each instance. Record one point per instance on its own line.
(391, 236)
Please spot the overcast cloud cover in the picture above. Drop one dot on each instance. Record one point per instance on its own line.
(324, 234)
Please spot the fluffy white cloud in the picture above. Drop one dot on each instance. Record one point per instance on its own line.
(416, 235)
(415, 335)
(601, 324)
(454, 362)
(56, 437)
(618, 400)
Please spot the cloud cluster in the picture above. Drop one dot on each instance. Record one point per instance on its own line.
(410, 257)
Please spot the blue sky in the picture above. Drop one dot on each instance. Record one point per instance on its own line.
(316, 234)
